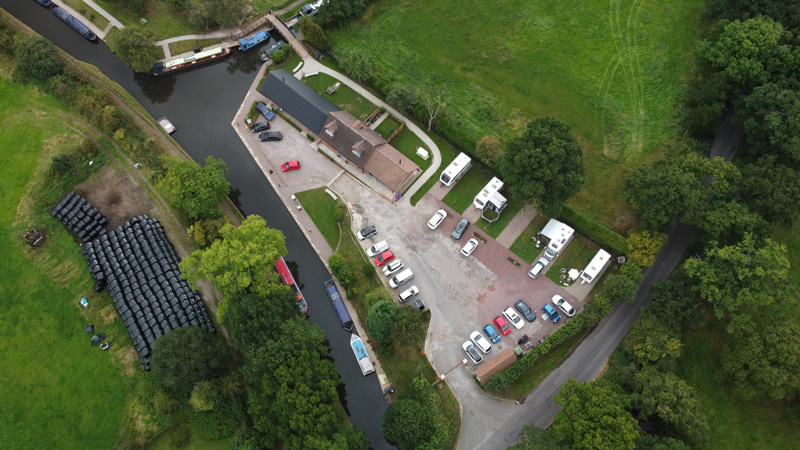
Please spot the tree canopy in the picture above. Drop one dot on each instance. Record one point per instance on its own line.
(334, 13)
(185, 356)
(196, 191)
(651, 342)
(136, 46)
(675, 304)
(544, 165)
(594, 415)
(489, 149)
(771, 119)
(38, 58)
(416, 420)
(253, 319)
(770, 189)
(313, 33)
(380, 318)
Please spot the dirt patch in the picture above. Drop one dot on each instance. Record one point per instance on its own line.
(108, 314)
(129, 360)
(116, 195)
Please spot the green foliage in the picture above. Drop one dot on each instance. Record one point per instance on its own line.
(210, 14)
(255, 319)
(355, 61)
(651, 342)
(135, 45)
(8, 38)
(532, 437)
(544, 165)
(338, 213)
(204, 232)
(240, 261)
(334, 13)
(408, 327)
(137, 6)
(37, 58)
(654, 442)
(416, 420)
(196, 191)
(380, 318)
(377, 294)
(61, 165)
(741, 278)
(594, 230)
(313, 33)
(675, 303)
(594, 416)
(770, 189)
(489, 150)
(765, 364)
(202, 398)
(185, 356)
(644, 245)
(341, 270)
(403, 96)
(620, 289)
(771, 119)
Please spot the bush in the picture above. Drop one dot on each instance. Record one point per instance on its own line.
(37, 58)
(620, 289)
(380, 318)
(338, 213)
(594, 230)
(644, 245)
(61, 165)
(341, 270)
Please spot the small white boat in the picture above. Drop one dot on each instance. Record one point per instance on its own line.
(167, 125)
(361, 355)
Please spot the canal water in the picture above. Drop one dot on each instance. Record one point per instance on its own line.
(201, 104)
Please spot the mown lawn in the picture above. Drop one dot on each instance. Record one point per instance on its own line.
(162, 19)
(180, 47)
(613, 71)
(448, 153)
(462, 194)
(523, 247)
(578, 254)
(320, 207)
(57, 391)
(494, 229)
(407, 143)
(88, 12)
(387, 127)
(344, 98)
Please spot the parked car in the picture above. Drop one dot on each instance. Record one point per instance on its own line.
(419, 305)
(378, 248)
(270, 136)
(259, 126)
(460, 228)
(437, 219)
(472, 352)
(289, 166)
(393, 267)
(383, 258)
(513, 317)
(526, 311)
(502, 325)
(469, 247)
(401, 278)
(481, 342)
(367, 232)
(262, 108)
(550, 311)
(408, 294)
(563, 305)
(538, 267)
(491, 334)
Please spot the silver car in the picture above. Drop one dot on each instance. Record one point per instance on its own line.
(472, 352)
(538, 267)
(563, 305)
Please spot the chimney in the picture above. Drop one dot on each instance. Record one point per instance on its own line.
(358, 125)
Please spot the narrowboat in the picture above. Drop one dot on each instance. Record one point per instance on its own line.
(166, 67)
(76, 24)
(338, 305)
(248, 43)
(286, 278)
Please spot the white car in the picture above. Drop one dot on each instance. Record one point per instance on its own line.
(393, 267)
(481, 341)
(472, 352)
(563, 305)
(469, 247)
(513, 317)
(437, 219)
(538, 267)
(377, 249)
(408, 294)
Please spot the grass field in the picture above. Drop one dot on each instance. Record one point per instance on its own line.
(344, 98)
(162, 19)
(578, 254)
(614, 71)
(177, 48)
(57, 391)
(461, 195)
(320, 207)
(88, 12)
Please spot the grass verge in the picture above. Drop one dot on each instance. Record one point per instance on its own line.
(177, 48)
(448, 153)
(344, 98)
(523, 246)
(494, 229)
(462, 193)
(88, 12)
(320, 207)
(580, 251)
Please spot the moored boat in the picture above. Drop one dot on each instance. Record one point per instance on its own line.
(76, 24)
(165, 67)
(44, 2)
(361, 355)
(248, 43)
(286, 278)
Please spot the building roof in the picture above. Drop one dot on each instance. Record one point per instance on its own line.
(391, 167)
(297, 99)
(349, 133)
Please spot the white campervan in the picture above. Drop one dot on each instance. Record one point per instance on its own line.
(559, 234)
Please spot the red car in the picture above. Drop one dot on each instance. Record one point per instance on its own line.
(291, 165)
(384, 257)
(502, 325)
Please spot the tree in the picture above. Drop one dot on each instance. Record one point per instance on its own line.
(737, 279)
(771, 119)
(380, 318)
(770, 189)
(137, 6)
(254, 319)
(334, 13)
(765, 364)
(240, 261)
(136, 46)
(652, 342)
(8, 38)
(654, 442)
(357, 62)
(403, 96)
(544, 165)
(666, 396)
(675, 304)
(185, 356)
(620, 289)
(196, 191)
(208, 14)
(340, 269)
(416, 419)
(489, 149)
(313, 33)
(534, 438)
(434, 95)
(644, 245)
(594, 416)
(727, 222)
(408, 327)
(37, 58)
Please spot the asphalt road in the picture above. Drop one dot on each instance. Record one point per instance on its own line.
(588, 359)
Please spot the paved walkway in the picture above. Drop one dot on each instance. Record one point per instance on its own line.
(517, 225)
(223, 33)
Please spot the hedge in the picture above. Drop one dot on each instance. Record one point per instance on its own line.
(594, 230)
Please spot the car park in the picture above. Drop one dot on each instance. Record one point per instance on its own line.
(383, 258)
(367, 232)
(437, 219)
(480, 342)
(502, 325)
(469, 247)
(379, 247)
(563, 305)
(289, 166)
(513, 317)
(525, 310)
(408, 294)
(419, 305)
(270, 136)
(491, 334)
(393, 267)
(460, 228)
(472, 352)
(550, 311)
(538, 268)
(259, 126)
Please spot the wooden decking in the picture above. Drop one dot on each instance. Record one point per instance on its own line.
(287, 34)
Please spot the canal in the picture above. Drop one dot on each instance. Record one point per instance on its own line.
(201, 104)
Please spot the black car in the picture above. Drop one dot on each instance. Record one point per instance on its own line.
(259, 126)
(526, 312)
(270, 136)
(460, 229)
(367, 232)
(419, 305)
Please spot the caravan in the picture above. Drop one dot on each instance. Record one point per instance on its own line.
(456, 169)
(492, 188)
(559, 235)
(595, 266)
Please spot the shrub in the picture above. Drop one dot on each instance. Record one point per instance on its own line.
(338, 213)
(644, 245)
(61, 165)
(37, 58)
(619, 289)
(341, 269)
(594, 230)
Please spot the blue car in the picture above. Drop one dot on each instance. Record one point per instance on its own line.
(550, 311)
(262, 108)
(491, 334)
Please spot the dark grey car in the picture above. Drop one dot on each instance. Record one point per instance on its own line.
(367, 232)
(460, 229)
(270, 136)
(259, 126)
(526, 311)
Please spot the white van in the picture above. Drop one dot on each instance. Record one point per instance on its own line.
(407, 294)
(380, 247)
(401, 278)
